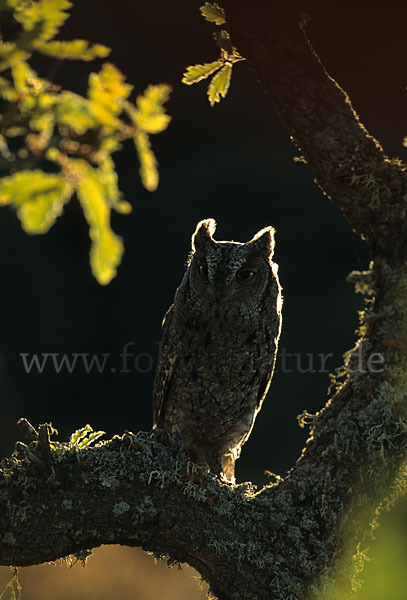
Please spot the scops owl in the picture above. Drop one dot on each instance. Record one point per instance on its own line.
(219, 346)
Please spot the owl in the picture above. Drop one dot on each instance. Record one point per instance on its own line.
(218, 347)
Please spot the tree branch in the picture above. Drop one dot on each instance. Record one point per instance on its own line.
(348, 163)
(136, 491)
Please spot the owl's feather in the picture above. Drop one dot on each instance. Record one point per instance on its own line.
(219, 346)
(164, 370)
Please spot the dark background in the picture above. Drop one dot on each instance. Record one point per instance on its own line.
(233, 162)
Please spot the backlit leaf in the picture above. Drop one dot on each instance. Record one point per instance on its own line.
(21, 72)
(8, 4)
(107, 248)
(43, 119)
(42, 18)
(123, 207)
(219, 85)
(44, 123)
(77, 134)
(148, 161)
(73, 50)
(74, 111)
(107, 93)
(38, 197)
(84, 437)
(7, 91)
(4, 149)
(196, 73)
(150, 113)
(213, 12)
(10, 54)
(109, 179)
(224, 42)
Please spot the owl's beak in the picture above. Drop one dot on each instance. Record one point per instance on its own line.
(221, 291)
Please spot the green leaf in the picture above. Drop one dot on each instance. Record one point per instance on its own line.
(39, 198)
(73, 50)
(149, 117)
(75, 112)
(7, 91)
(196, 73)
(42, 117)
(107, 248)
(109, 179)
(84, 437)
(148, 161)
(150, 114)
(42, 19)
(8, 4)
(78, 435)
(10, 54)
(224, 42)
(4, 149)
(107, 93)
(219, 85)
(44, 124)
(21, 72)
(90, 128)
(92, 437)
(37, 215)
(213, 13)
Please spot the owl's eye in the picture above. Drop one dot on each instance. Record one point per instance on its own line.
(245, 275)
(203, 271)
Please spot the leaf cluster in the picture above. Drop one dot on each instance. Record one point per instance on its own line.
(73, 137)
(84, 437)
(221, 69)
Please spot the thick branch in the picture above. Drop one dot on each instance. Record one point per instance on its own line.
(137, 492)
(348, 163)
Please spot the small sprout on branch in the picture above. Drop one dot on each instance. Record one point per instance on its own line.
(196, 73)
(84, 437)
(213, 13)
(218, 87)
(221, 69)
(224, 43)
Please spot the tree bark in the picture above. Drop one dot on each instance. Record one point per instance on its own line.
(294, 539)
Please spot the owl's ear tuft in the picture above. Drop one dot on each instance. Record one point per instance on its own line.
(203, 233)
(263, 242)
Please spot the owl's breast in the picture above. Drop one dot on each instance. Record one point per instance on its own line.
(216, 383)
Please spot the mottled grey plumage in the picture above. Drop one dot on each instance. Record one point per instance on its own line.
(219, 346)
